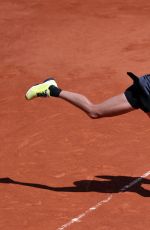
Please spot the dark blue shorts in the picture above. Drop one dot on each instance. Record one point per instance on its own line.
(138, 94)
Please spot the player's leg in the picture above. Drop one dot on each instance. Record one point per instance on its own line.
(114, 106)
(111, 107)
(148, 115)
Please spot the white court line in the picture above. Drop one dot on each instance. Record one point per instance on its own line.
(100, 203)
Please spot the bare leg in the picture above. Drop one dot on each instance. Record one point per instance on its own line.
(148, 114)
(112, 107)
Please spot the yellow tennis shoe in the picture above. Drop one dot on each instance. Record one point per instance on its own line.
(41, 90)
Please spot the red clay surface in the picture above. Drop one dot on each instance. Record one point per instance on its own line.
(49, 147)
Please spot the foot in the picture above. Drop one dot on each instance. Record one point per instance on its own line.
(41, 90)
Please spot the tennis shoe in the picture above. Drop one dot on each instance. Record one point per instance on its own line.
(41, 90)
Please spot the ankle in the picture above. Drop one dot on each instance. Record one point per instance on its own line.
(54, 91)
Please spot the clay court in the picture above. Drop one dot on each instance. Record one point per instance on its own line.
(59, 169)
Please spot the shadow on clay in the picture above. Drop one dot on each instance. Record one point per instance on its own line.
(104, 184)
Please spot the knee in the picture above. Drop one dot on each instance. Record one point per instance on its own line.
(93, 113)
(93, 116)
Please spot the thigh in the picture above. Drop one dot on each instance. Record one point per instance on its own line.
(148, 114)
(114, 106)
